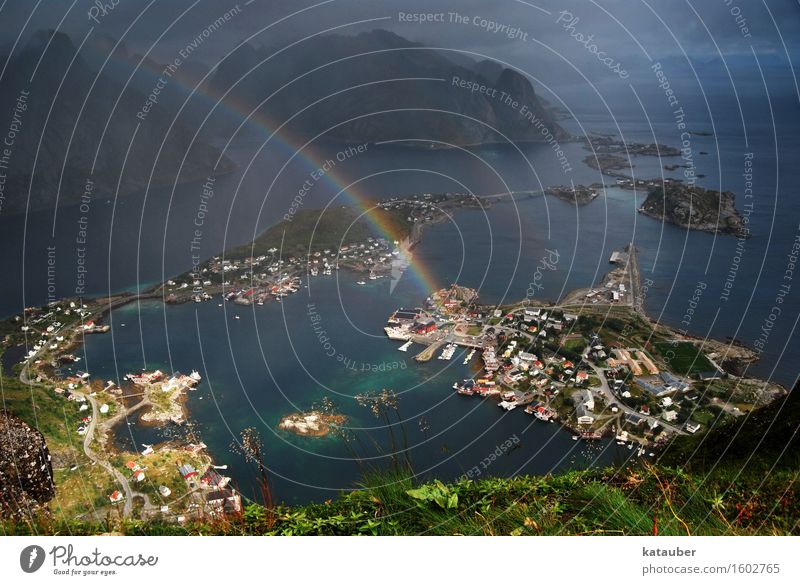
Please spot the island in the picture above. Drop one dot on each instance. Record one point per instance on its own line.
(695, 208)
(311, 424)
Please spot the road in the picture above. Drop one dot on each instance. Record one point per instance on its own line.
(130, 493)
(610, 398)
(94, 458)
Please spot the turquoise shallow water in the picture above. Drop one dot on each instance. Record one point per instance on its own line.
(270, 362)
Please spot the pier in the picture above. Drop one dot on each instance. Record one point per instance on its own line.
(427, 353)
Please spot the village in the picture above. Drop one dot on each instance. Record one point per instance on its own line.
(594, 363)
(174, 481)
(250, 275)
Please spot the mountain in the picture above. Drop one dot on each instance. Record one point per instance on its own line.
(367, 95)
(71, 117)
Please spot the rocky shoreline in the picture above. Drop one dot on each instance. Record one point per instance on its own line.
(696, 208)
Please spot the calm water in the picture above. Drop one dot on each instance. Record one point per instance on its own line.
(269, 362)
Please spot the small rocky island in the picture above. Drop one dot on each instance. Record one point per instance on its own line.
(695, 208)
(311, 424)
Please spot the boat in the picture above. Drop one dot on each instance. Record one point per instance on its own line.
(469, 357)
(195, 376)
(361, 282)
(465, 387)
(396, 333)
(448, 351)
(405, 346)
(145, 377)
(508, 405)
(236, 317)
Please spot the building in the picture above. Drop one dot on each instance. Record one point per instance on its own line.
(673, 383)
(187, 471)
(692, 427)
(213, 479)
(669, 415)
(652, 387)
(633, 419)
(583, 397)
(425, 327)
(584, 415)
(116, 496)
(225, 500)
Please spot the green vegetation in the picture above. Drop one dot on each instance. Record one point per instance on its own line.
(627, 502)
(41, 408)
(321, 229)
(683, 357)
(740, 479)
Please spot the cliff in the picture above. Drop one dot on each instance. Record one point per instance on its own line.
(67, 113)
(26, 474)
(345, 92)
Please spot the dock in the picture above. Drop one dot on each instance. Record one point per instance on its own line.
(427, 353)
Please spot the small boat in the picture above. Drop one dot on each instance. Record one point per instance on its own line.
(405, 346)
(236, 317)
(361, 282)
(466, 387)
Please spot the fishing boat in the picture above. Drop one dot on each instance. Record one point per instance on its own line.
(396, 333)
(465, 387)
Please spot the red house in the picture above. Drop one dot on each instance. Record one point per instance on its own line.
(425, 327)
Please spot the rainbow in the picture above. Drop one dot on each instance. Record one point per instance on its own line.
(344, 187)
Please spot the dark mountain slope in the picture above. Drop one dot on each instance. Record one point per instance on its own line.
(65, 118)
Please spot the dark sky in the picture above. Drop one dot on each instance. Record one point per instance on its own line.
(622, 29)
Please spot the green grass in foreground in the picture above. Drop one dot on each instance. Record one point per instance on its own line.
(739, 479)
(633, 502)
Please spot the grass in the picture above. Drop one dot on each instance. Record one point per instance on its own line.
(683, 357)
(637, 501)
(738, 479)
(322, 229)
(55, 416)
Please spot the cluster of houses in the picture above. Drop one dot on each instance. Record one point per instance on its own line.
(270, 276)
(218, 496)
(539, 321)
